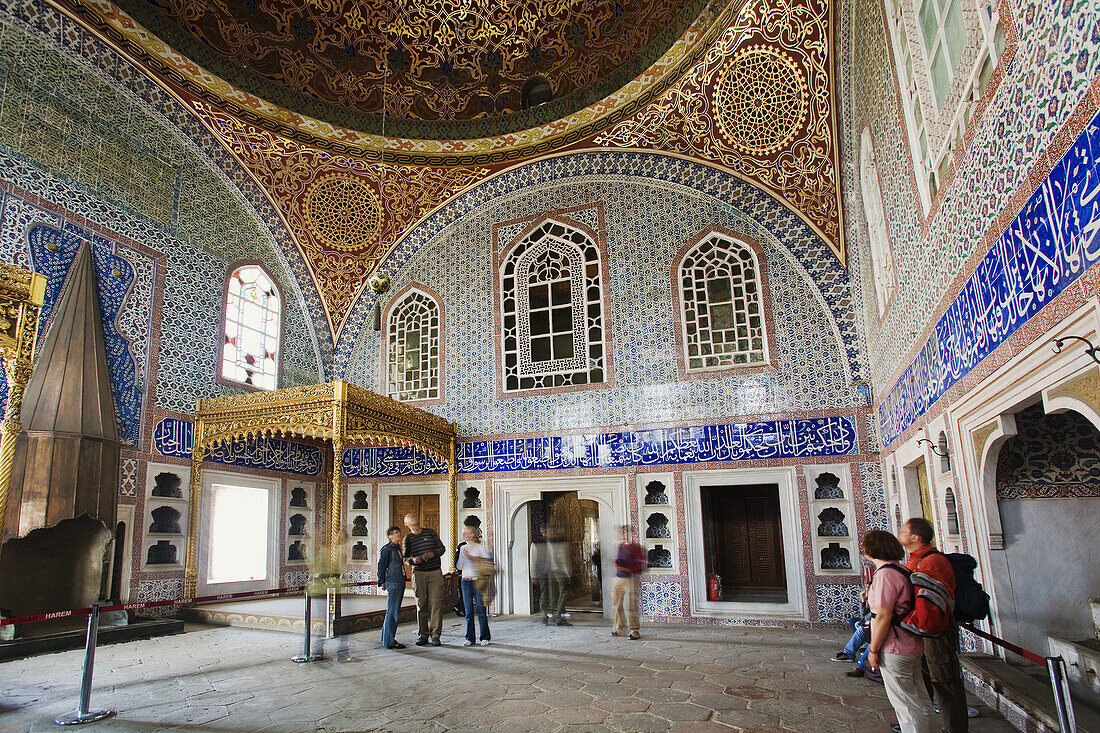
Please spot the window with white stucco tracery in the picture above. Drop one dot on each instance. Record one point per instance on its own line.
(552, 310)
(250, 345)
(945, 54)
(722, 314)
(882, 259)
(413, 348)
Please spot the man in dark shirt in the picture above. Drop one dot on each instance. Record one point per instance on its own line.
(423, 548)
(391, 576)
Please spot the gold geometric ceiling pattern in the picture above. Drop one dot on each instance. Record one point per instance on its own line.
(755, 98)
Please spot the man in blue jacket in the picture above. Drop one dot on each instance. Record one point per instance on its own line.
(391, 576)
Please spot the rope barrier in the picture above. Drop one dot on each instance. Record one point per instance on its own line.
(1029, 656)
(1056, 669)
(197, 600)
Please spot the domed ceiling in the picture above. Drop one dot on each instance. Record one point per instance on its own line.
(294, 92)
(442, 69)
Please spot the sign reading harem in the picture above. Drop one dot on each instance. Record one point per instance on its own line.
(175, 437)
(1046, 248)
(826, 436)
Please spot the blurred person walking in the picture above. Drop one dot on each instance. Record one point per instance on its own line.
(629, 561)
(472, 558)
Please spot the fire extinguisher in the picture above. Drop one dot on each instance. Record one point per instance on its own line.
(714, 587)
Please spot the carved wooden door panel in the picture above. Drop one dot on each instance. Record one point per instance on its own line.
(746, 542)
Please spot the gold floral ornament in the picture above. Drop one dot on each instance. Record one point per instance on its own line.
(344, 212)
(761, 100)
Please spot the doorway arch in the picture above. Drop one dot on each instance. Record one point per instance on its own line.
(510, 498)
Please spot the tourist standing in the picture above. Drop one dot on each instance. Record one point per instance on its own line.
(629, 561)
(423, 548)
(892, 650)
(391, 576)
(941, 654)
(470, 559)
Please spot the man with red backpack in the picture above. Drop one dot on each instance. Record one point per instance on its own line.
(941, 653)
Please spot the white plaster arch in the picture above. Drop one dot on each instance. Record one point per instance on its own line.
(509, 497)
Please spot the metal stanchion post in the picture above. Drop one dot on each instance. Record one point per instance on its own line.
(82, 714)
(306, 656)
(1059, 682)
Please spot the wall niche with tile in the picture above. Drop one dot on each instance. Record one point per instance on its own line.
(657, 522)
(166, 515)
(357, 520)
(301, 516)
(832, 519)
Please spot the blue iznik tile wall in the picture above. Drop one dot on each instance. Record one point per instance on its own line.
(83, 131)
(1044, 81)
(647, 221)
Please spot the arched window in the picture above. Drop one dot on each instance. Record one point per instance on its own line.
(721, 306)
(413, 356)
(882, 259)
(552, 310)
(944, 452)
(253, 312)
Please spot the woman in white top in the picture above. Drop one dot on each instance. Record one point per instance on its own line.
(472, 551)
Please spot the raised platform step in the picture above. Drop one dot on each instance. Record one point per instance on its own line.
(1023, 696)
(138, 628)
(358, 613)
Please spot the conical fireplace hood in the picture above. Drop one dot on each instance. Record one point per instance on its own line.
(70, 389)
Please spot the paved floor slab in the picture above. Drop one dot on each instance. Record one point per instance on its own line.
(532, 678)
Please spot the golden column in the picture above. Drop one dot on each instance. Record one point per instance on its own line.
(21, 296)
(191, 564)
(336, 545)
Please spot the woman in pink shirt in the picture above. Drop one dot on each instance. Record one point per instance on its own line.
(893, 651)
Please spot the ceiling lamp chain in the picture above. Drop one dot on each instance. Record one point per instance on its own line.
(379, 282)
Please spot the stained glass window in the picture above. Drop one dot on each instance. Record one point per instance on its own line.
(722, 314)
(250, 349)
(413, 358)
(552, 309)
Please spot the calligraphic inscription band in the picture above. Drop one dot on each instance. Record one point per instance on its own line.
(826, 436)
(1049, 245)
(175, 437)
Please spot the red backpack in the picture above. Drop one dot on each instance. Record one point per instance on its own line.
(932, 605)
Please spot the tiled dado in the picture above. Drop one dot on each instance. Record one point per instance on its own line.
(1047, 247)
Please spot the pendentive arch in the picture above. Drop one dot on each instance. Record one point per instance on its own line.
(827, 277)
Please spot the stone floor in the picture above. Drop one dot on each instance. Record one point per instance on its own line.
(532, 678)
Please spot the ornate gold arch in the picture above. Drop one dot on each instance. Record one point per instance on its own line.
(339, 412)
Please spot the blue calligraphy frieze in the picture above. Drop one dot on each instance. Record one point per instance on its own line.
(826, 436)
(175, 437)
(1046, 248)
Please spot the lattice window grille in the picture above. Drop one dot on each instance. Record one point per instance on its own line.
(552, 308)
(413, 362)
(882, 260)
(250, 346)
(721, 306)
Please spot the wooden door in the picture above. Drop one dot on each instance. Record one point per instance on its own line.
(425, 506)
(745, 543)
(925, 494)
